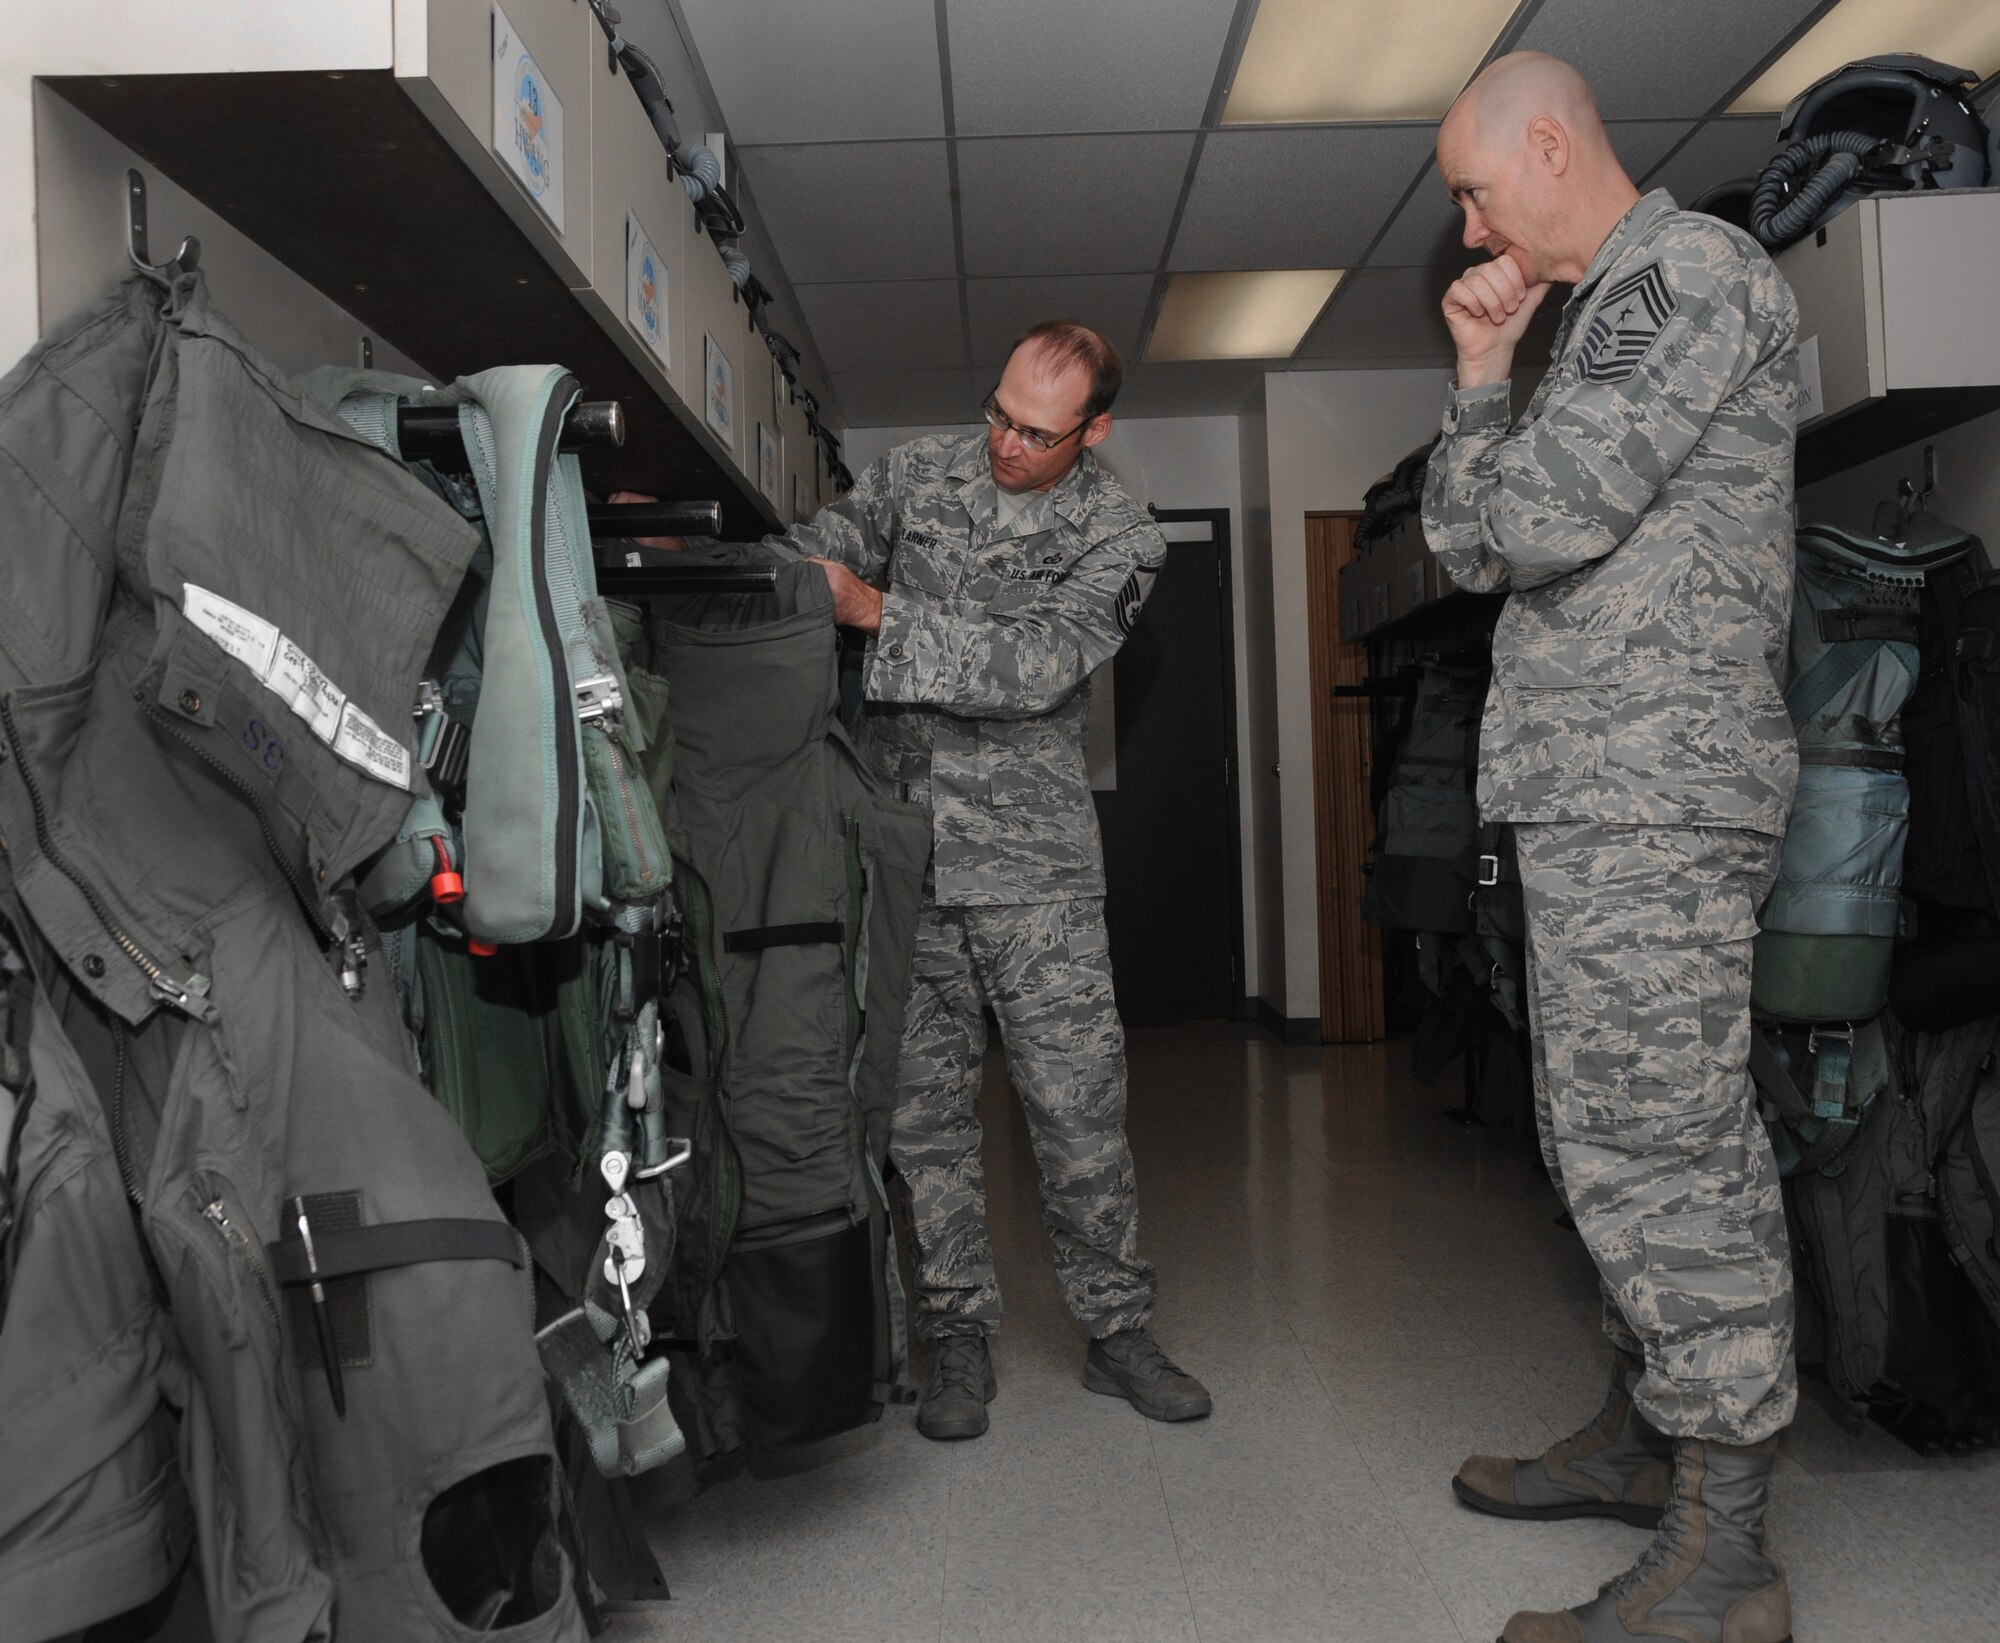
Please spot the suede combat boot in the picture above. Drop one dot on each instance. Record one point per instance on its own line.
(1617, 1466)
(962, 1385)
(1129, 1364)
(1708, 1577)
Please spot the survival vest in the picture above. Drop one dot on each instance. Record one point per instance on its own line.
(526, 891)
(1829, 927)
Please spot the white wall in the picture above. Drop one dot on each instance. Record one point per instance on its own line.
(1968, 493)
(1331, 435)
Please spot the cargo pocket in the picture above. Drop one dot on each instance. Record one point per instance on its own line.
(1556, 700)
(1704, 1292)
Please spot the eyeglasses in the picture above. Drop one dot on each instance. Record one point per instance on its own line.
(1033, 438)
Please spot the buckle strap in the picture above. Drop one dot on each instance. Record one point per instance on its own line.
(783, 935)
(342, 1252)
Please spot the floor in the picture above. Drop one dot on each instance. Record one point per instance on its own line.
(1371, 1292)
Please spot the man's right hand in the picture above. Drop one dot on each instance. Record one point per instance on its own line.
(1487, 310)
(668, 542)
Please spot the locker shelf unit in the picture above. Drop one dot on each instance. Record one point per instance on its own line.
(384, 184)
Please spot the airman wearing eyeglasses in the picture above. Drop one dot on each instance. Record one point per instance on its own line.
(994, 575)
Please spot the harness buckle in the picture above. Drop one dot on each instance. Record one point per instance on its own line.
(599, 697)
(1489, 872)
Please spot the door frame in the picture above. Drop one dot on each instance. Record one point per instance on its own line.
(1242, 1006)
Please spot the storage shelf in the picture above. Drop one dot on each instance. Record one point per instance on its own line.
(348, 184)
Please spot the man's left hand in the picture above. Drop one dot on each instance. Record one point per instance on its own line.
(855, 603)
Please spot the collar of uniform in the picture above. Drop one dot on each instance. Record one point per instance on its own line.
(1630, 227)
(1070, 497)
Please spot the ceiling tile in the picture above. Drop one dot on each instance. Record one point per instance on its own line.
(1295, 197)
(1429, 228)
(1001, 310)
(903, 399)
(1392, 316)
(1664, 59)
(786, 73)
(856, 211)
(891, 325)
(1036, 66)
(1069, 205)
(1188, 388)
(1718, 152)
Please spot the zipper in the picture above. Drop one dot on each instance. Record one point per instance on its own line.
(623, 781)
(217, 1211)
(121, 1146)
(569, 751)
(187, 992)
(293, 876)
(700, 929)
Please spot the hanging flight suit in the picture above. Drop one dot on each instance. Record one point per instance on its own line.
(799, 873)
(218, 605)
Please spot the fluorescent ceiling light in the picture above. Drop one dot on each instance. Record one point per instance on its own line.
(1260, 315)
(1361, 59)
(1965, 33)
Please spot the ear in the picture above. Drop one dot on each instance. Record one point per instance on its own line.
(1098, 431)
(1549, 144)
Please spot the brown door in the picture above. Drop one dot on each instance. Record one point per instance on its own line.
(1350, 952)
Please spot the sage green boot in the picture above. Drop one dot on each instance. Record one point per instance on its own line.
(1618, 1466)
(962, 1385)
(1708, 1577)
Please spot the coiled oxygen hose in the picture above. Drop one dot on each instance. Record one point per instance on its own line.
(1813, 171)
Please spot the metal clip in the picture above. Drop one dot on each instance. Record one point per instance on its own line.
(681, 1152)
(1489, 872)
(354, 965)
(598, 697)
(616, 1267)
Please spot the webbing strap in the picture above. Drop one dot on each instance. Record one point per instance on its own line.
(346, 1251)
(1774, 1078)
(1838, 625)
(1866, 758)
(783, 935)
(1827, 677)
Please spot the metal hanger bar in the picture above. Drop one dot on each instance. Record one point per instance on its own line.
(432, 430)
(628, 519)
(643, 581)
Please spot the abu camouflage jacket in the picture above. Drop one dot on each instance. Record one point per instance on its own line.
(1641, 517)
(977, 686)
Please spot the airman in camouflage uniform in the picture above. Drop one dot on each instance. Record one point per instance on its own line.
(1639, 519)
(1015, 565)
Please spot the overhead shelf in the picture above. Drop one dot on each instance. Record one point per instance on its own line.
(1896, 323)
(381, 188)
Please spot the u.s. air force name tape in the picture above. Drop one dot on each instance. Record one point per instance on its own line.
(283, 667)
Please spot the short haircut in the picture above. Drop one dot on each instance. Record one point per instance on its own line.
(1063, 343)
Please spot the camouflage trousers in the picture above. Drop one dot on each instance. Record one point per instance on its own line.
(1639, 942)
(1045, 968)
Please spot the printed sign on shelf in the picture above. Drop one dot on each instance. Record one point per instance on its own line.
(646, 291)
(527, 120)
(1812, 397)
(719, 397)
(769, 467)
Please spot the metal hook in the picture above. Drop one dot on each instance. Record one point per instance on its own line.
(185, 260)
